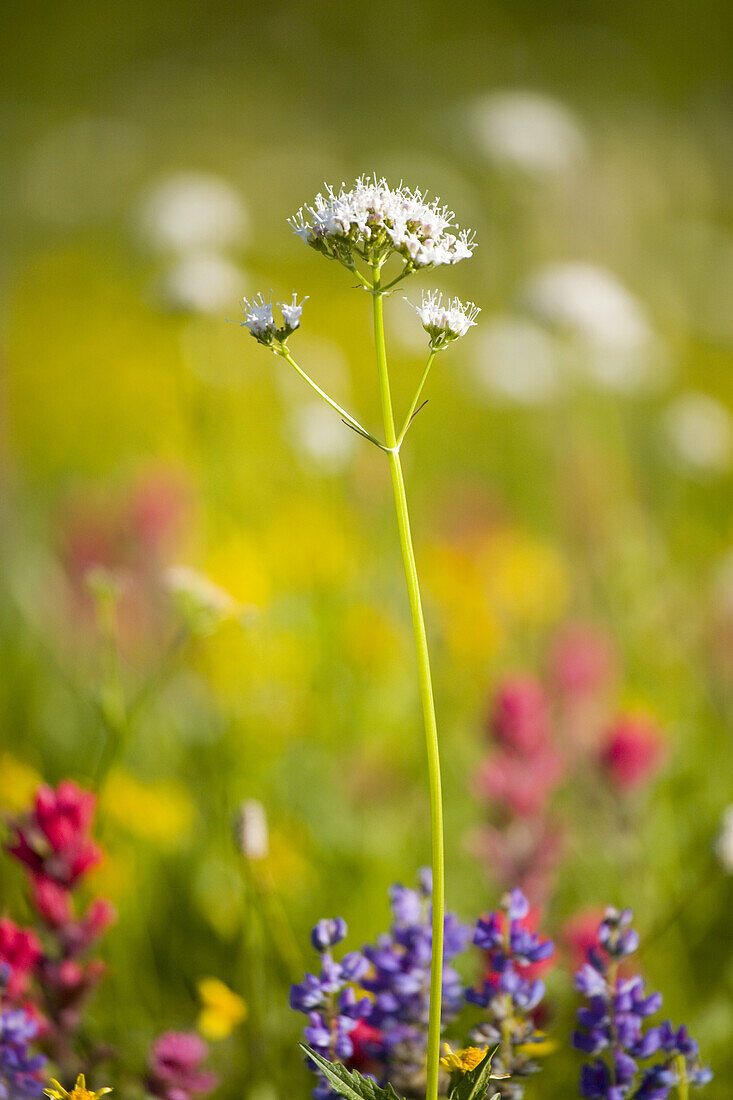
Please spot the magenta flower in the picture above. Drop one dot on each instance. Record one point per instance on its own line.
(175, 1067)
(520, 718)
(633, 753)
(53, 840)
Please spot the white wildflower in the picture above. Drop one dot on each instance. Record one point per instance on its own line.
(371, 220)
(319, 436)
(192, 210)
(607, 323)
(528, 132)
(724, 841)
(699, 431)
(204, 605)
(515, 359)
(251, 832)
(201, 282)
(259, 319)
(445, 322)
(291, 312)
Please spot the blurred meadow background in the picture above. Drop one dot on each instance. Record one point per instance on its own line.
(570, 484)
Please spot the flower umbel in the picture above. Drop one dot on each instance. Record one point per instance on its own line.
(372, 221)
(259, 319)
(445, 322)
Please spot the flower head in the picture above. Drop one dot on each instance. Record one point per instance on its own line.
(221, 1009)
(175, 1067)
(259, 319)
(53, 840)
(461, 1061)
(633, 753)
(445, 323)
(79, 1091)
(613, 1030)
(372, 220)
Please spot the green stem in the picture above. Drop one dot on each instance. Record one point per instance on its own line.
(426, 695)
(416, 398)
(350, 420)
(683, 1088)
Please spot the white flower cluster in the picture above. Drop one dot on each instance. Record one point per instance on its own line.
(373, 220)
(445, 322)
(258, 318)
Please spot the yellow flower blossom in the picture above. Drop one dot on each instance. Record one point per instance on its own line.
(18, 782)
(161, 812)
(539, 1049)
(525, 578)
(221, 1009)
(461, 1061)
(79, 1091)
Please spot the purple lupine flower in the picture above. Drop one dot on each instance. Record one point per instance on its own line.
(328, 933)
(510, 992)
(330, 1001)
(399, 982)
(612, 1025)
(19, 1069)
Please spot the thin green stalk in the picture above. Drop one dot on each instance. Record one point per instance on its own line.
(426, 695)
(413, 406)
(347, 417)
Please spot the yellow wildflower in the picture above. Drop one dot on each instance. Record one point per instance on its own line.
(461, 1061)
(79, 1091)
(221, 1009)
(18, 782)
(161, 812)
(539, 1049)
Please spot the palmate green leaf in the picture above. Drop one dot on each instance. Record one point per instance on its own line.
(474, 1084)
(349, 1083)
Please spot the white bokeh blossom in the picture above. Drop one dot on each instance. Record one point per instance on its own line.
(527, 132)
(590, 309)
(698, 431)
(204, 605)
(724, 841)
(372, 220)
(445, 322)
(259, 318)
(251, 831)
(189, 211)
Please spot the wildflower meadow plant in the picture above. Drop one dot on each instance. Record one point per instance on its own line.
(375, 1016)
(612, 1026)
(382, 235)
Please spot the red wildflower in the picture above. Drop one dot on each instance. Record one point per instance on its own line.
(20, 950)
(519, 716)
(633, 752)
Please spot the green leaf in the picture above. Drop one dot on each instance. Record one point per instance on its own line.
(349, 1083)
(474, 1084)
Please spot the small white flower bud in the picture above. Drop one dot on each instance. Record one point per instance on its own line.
(251, 832)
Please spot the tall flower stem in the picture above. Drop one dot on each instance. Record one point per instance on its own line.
(426, 696)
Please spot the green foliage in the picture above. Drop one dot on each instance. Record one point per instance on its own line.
(350, 1083)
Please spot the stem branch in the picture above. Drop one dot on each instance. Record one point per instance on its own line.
(413, 406)
(350, 420)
